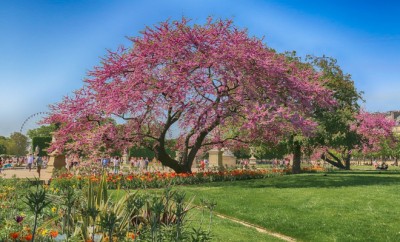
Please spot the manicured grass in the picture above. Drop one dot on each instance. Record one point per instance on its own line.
(226, 230)
(338, 206)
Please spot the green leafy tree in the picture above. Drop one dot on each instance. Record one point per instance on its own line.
(3, 145)
(17, 144)
(334, 129)
(389, 147)
(3, 149)
(334, 123)
(42, 131)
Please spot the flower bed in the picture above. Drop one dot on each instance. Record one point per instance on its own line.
(163, 179)
(36, 212)
(313, 169)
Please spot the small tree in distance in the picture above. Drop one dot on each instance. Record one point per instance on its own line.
(369, 131)
(213, 82)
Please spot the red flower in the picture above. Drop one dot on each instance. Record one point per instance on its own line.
(28, 237)
(14, 235)
(53, 233)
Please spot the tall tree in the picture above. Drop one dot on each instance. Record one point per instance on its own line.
(200, 78)
(335, 127)
(334, 122)
(18, 144)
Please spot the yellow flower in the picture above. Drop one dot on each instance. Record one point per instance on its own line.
(44, 232)
(54, 209)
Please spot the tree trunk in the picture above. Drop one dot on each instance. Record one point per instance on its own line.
(347, 162)
(166, 160)
(296, 168)
(336, 162)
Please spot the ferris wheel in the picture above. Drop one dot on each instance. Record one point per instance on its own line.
(31, 122)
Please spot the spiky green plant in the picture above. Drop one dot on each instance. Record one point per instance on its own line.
(37, 200)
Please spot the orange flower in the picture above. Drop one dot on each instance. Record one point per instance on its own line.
(14, 235)
(53, 233)
(28, 237)
(131, 235)
(94, 179)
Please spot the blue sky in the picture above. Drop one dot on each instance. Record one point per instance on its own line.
(47, 47)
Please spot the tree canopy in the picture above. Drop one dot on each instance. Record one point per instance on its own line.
(202, 79)
(368, 133)
(42, 131)
(16, 144)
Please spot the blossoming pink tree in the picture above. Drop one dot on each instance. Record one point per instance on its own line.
(211, 83)
(367, 132)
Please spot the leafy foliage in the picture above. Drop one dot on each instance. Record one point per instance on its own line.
(17, 144)
(43, 143)
(203, 79)
(42, 131)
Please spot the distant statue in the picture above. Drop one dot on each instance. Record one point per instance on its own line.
(252, 159)
(252, 152)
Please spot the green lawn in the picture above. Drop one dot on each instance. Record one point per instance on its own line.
(341, 206)
(226, 230)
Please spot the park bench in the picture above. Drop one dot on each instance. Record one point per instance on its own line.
(382, 167)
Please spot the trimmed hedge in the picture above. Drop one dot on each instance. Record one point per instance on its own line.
(43, 143)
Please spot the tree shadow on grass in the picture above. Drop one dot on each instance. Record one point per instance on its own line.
(317, 180)
(367, 172)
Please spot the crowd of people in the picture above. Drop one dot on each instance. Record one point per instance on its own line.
(9, 162)
(28, 162)
(73, 161)
(380, 165)
(110, 163)
(136, 163)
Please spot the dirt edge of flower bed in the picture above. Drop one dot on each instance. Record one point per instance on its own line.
(256, 227)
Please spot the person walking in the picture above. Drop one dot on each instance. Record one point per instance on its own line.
(146, 163)
(39, 163)
(30, 161)
(105, 162)
(116, 165)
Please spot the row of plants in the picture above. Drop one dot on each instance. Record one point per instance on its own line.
(32, 211)
(162, 179)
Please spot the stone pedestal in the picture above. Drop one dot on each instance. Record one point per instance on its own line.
(195, 164)
(125, 158)
(228, 159)
(56, 161)
(215, 157)
(252, 160)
